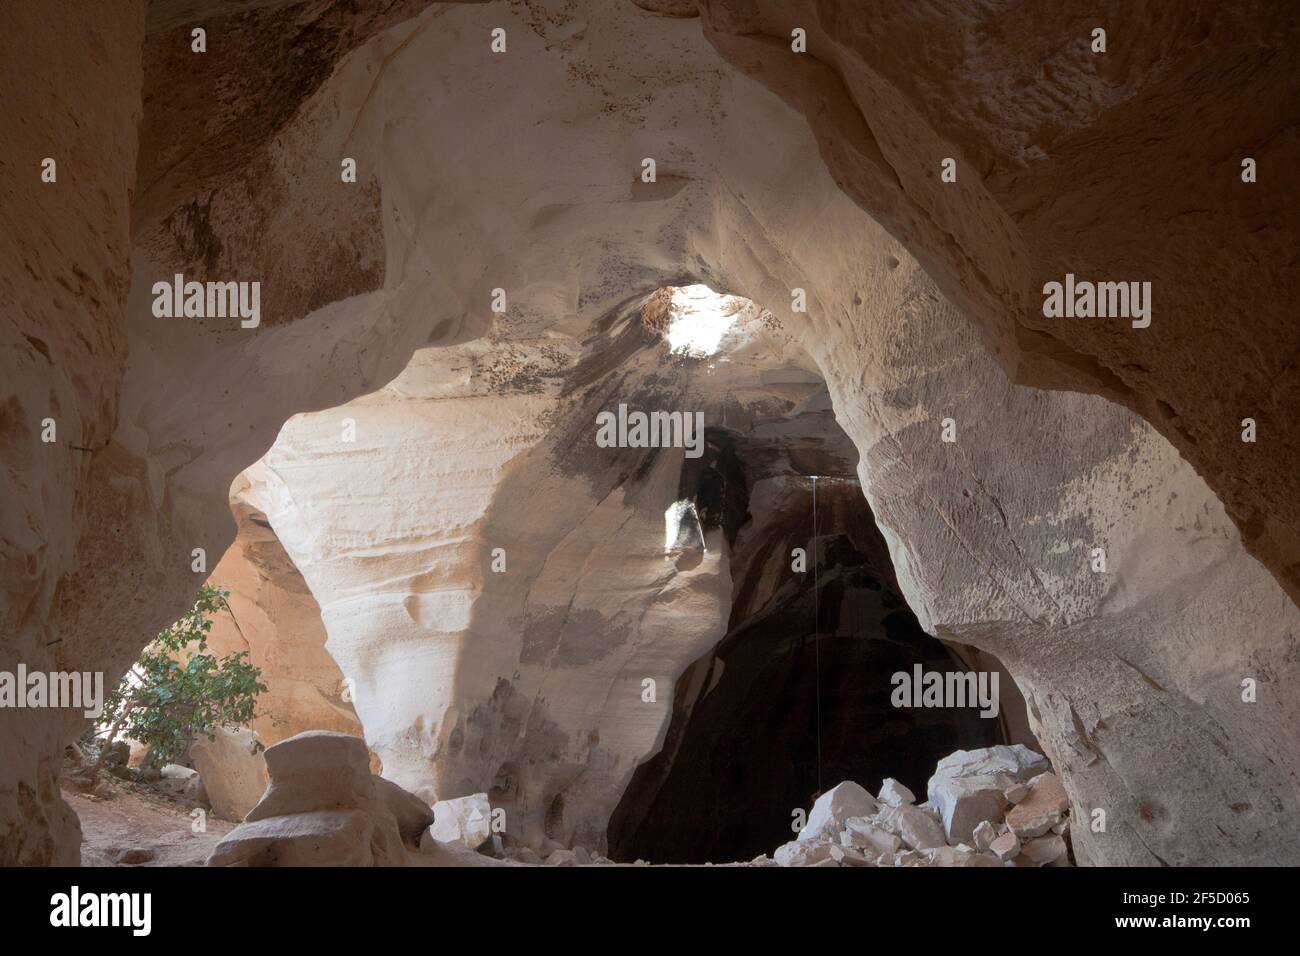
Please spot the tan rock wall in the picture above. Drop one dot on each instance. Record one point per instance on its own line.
(1123, 165)
(277, 622)
(64, 247)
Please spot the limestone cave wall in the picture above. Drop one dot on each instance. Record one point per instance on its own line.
(521, 172)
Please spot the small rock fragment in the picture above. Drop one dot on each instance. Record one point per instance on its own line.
(1042, 809)
(1006, 846)
(861, 834)
(918, 829)
(134, 856)
(984, 835)
(523, 854)
(958, 856)
(465, 821)
(801, 853)
(894, 794)
(1041, 851)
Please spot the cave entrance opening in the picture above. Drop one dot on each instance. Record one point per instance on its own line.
(799, 693)
(264, 624)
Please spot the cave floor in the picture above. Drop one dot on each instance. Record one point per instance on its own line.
(121, 824)
(125, 824)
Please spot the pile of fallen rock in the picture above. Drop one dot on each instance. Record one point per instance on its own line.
(999, 806)
(466, 823)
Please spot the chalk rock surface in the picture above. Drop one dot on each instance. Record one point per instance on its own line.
(322, 808)
(464, 821)
(276, 621)
(834, 808)
(232, 769)
(968, 786)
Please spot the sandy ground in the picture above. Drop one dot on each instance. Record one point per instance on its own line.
(129, 818)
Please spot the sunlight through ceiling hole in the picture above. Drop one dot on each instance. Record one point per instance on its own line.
(700, 318)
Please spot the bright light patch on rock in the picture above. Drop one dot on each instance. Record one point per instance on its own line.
(674, 516)
(700, 318)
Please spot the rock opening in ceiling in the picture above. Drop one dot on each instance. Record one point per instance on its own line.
(700, 318)
(682, 527)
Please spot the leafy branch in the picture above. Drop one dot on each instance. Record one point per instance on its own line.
(177, 689)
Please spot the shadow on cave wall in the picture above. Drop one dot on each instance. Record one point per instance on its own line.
(742, 750)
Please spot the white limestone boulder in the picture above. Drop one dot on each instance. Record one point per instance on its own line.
(967, 786)
(234, 777)
(965, 802)
(1014, 760)
(833, 808)
(463, 821)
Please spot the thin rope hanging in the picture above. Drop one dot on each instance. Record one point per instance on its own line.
(817, 652)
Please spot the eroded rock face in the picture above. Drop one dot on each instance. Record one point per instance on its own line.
(274, 618)
(322, 807)
(1112, 166)
(65, 245)
(105, 516)
(541, 581)
(1127, 673)
(1015, 577)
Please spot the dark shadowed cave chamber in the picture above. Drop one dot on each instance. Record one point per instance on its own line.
(741, 751)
